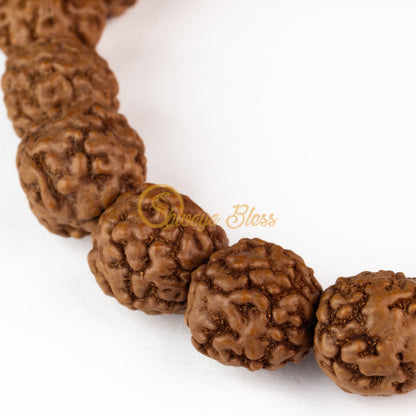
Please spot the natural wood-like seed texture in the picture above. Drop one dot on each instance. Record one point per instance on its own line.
(55, 73)
(24, 21)
(147, 267)
(75, 167)
(253, 305)
(365, 339)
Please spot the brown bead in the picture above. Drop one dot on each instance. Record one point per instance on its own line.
(75, 167)
(144, 262)
(365, 339)
(54, 73)
(253, 305)
(118, 7)
(22, 22)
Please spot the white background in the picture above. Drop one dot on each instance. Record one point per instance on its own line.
(301, 108)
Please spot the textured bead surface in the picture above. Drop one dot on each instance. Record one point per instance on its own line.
(253, 305)
(24, 21)
(365, 340)
(75, 167)
(147, 267)
(54, 73)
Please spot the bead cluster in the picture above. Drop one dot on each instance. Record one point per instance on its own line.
(83, 169)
